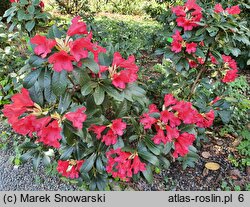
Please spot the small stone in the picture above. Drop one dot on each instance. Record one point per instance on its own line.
(205, 154)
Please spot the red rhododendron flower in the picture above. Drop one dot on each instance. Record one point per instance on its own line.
(41, 4)
(169, 118)
(125, 76)
(50, 135)
(182, 143)
(123, 164)
(192, 64)
(77, 27)
(77, 117)
(233, 10)
(69, 168)
(24, 126)
(218, 8)
(191, 47)
(21, 102)
(147, 121)
(14, 1)
(153, 108)
(43, 45)
(206, 120)
(188, 15)
(118, 126)
(230, 76)
(97, 130)
(213, 59)
(109, 138)
(77, 48)
(169, 100)
(61, 61)
(228, 60)
(160, 137)
(215, 100)
(178, 43)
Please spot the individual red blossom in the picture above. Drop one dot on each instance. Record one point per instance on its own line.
(233, 10)
(147, 121)
(109, 138)
(160, 137)
(206, 120)
(215, 100)
(61, 61)
(172, 133)
(118, 126)
(41, 4)
(77, 27)
(169, 118)
(188, 15)
(230, 62)
(43, 45)
(201, 60)
(77, 117)
(191, 47)
(169, 100)
(77, 48)
(25, 126)
(192, 64)
(14, 1)
(123, 164)
(178, 43)
(21, 103)
(50, 135)
(69, 168)
(153, 108)
(230, 76)
(97, 130)
(218, 8)
(39, 124)
(213, 59)
(182, 144)
(125, 76)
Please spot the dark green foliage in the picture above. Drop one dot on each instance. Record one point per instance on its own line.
(4, 5)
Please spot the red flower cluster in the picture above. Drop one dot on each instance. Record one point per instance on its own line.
(77, 117)
(123, 164)
(69, 168)
(176, 113)
(230, 10)
(69, 50)
(127, 70)
(178, 43)
(231, 69)
(201, 61)
(116, 128)
(188, 15)
(26, 123)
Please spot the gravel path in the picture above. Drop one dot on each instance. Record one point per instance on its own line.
(24, 178)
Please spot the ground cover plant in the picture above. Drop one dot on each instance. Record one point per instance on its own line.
(87, 110)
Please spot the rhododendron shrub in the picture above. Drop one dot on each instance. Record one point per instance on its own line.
(201, 51)
(26, 13)
(81, 107)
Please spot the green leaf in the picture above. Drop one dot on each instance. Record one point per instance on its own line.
(167, 148)
(122, 109)
(46, 160)
(67, 153)
(64, 102)
(21, 15)
(212, 31)
(119, 143)
(200, 53)
(54, 32)
(30, 25)
(87, 88)
(225, 116)
(99, 164)
(48, 94)
(91, 64)
(24, 2)
(31, 9)
(31, 78)
(10, 11)
(149, 157)
(28, 155)
(59, 82)
(152, 146)
(164, 162)
(113, 93)
(36, 61)
(148, 174)
(36, 94)
(88, 164)
(99, 95)
(36, 161)
(104, 59)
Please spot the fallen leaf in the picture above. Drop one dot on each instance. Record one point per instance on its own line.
(205, 154)
(205, 172)
(212, 165)
(234, 173)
